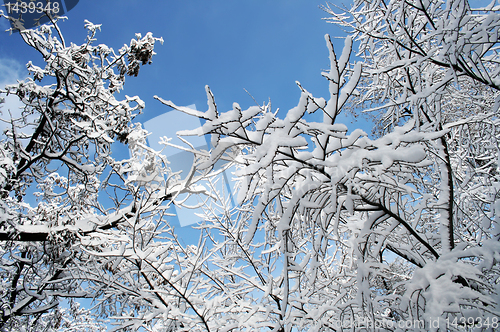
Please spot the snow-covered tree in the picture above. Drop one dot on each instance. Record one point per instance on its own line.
(332, 230)
(335, 229)
(436, 64)
(68, 206)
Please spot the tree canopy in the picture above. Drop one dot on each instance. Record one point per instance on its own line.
(333, 229)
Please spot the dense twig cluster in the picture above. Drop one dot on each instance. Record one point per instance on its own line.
(331, 228)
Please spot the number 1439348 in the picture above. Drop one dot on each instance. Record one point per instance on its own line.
(22, 7)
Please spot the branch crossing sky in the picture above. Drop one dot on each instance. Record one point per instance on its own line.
(262, 47)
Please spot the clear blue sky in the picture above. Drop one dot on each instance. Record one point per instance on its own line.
(231, 45)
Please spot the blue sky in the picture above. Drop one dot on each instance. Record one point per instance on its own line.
(230, 45)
